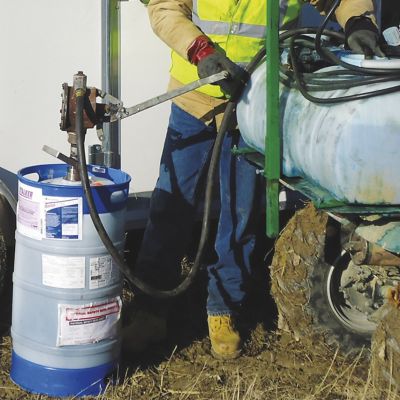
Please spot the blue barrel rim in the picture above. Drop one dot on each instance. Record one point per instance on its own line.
(61, 169)
(107, 197)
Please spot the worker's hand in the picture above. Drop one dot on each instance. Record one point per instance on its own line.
(218, 62)
(362, 37)
(210, 61)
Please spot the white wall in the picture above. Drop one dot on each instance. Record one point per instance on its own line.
(145, 66)
(43, 44)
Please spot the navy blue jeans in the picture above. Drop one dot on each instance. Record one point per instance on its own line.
(186, 153)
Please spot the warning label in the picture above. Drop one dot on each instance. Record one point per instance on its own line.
(88, 323)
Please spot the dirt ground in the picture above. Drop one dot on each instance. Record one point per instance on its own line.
(273, 366)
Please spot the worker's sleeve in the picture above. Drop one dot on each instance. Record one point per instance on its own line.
(347, 9)
(171, 21)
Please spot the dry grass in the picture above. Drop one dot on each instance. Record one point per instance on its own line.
(302, 375)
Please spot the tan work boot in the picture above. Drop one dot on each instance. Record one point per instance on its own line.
(145, 329)
(225, 339)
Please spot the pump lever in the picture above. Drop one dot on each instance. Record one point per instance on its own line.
(55, 153)
(113, 109)
(123, 112)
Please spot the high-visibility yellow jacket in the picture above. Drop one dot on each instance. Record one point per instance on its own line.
(237, 26)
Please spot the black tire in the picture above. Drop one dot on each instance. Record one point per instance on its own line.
(7, 248)
(305, 286)
(385, 359)
(3, 262)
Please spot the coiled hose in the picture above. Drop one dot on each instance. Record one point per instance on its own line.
(350, 76)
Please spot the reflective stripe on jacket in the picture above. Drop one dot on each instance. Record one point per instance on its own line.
(237, 27)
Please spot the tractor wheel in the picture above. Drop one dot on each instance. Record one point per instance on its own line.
(385, 360)
(308, 290)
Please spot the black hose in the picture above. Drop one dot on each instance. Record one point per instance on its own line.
(316, 81)
(214, 162)
(306, 82)
(124, 268)
(304, 90)
(325, 53)
(307, 31)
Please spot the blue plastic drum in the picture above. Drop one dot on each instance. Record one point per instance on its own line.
(67, 289)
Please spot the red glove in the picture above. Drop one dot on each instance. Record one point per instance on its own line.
(200, 48)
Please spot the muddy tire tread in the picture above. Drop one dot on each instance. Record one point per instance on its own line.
(385, 349)
(297, 284)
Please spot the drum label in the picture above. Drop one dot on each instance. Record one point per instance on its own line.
(29, 222)
(63, 272)
(103, 272)
(62, 217)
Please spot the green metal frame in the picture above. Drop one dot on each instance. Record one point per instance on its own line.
(272, 136)
(321, 198)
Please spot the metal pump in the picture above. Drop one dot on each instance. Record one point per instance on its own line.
(110, 109)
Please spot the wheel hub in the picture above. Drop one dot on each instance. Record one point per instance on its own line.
(357, 292)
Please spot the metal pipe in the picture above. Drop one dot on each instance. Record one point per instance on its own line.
(378, 12)
(111, 75)
(364, 252)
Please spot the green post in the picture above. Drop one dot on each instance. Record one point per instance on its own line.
(272, 135)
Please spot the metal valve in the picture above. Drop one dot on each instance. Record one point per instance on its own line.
(94, 113)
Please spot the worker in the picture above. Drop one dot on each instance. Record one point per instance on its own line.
(390, 14)
(390, 20)
(208, 36)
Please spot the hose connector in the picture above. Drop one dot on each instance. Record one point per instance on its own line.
(79, 84)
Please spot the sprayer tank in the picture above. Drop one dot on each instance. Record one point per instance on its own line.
(350, 149)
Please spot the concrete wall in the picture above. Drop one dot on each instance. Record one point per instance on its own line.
(43, 44)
